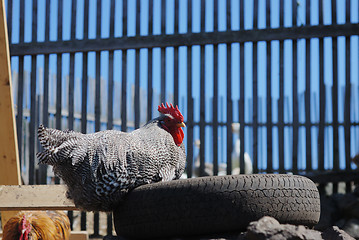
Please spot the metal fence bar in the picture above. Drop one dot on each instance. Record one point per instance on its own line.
(137, 68)
(72, 69)
(347, 105)
(269, 94)
(308, 133)
(70, 119)
(189, 96)
(96, 215)
(59, 67)
(202, 98)
(22, 20)
(242, 85)
(9, 19)
(45, 101)
(149, 60)
(229, 93)
(98, 73)
(110, 94)
(187, 39)
(295, 92)
(20, 93)
(176, 57)
(255, 91)
(149, 85)
(163, 52)
(124, 71)
(281, 93)
(33, 106)
(335, 97)
(215, 93)
(58, 114)
(322, 99)
(84, 92)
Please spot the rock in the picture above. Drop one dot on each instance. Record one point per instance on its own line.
(334, 233)
(352, 227)
(268, 228)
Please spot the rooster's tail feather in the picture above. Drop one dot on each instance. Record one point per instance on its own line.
(57, 144)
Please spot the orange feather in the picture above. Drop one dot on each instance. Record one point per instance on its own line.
(45, 225)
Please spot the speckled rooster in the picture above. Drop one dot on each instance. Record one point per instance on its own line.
(100, 168)
(37, 225)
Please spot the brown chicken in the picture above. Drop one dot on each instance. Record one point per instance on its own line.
(37, 225)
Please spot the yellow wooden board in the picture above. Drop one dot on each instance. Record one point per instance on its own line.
(9, 157)
(75, 235)
(34, 197)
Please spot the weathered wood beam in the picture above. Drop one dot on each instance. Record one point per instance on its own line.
(9, 157)
(324, 177)
(188, 39)
(34, 197)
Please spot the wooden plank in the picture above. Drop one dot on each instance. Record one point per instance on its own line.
(229, 119)
(255, 92)
(110, 89)
(335, 96)
(269, 95)
(20, 94)
(322, 97)
(137, 69)
(79, 235)
(149, 62)
(9, 18)
(33, 102)
(84, 91)
(202, 113)
(96, 223)
(98, 93)
(215, 93)
(281, 94)
(347, 105)
(295, 92)
(176, 57)
(31, 197)
(189, 122)
(202, 97)
(163, 53)
(187, 39)
(335, 177)
(59, 72)
(124, 72)
(75, 235)
(242, 86)
(45, 104)
(308, 133)
(9, 156)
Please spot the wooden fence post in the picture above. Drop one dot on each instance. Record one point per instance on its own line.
(9, 156)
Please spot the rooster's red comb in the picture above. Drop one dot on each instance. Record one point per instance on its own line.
(169, 109)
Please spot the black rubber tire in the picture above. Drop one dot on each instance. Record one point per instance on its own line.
(217, 204)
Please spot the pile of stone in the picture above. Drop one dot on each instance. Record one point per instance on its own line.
(268, 228)
(341, 210)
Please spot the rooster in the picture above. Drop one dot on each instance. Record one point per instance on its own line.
(37, 225)
(99, 169)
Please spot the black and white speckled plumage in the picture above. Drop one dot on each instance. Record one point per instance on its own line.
(100, 168)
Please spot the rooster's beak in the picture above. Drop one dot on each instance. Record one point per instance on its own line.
(181, 124)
